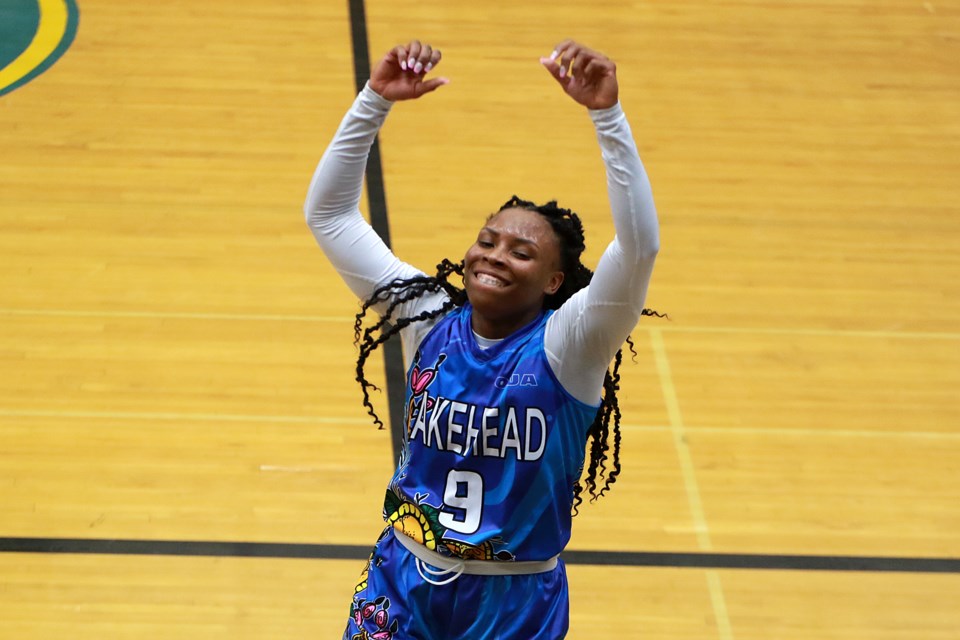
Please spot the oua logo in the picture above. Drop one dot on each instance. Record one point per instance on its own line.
(33, 36)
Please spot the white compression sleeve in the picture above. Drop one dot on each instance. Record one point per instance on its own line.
(585, 333)
(333, 215)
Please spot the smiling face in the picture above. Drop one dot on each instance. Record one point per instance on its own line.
(508, 271)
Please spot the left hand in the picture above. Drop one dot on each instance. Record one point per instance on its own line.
(587, 76)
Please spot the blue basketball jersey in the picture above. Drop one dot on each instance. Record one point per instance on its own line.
(493, 447)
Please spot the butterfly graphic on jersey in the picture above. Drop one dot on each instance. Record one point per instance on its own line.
(420, 379)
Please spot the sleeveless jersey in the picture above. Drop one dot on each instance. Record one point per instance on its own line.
(493, 446)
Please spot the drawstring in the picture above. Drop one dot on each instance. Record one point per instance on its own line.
(456, 570)
(427, 560)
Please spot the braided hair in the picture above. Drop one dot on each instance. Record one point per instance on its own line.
(601, 471)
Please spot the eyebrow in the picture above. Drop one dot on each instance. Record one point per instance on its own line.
(517, 239)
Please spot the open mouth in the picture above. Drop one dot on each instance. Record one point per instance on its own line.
(489, 280)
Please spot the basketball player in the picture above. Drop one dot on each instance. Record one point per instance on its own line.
(509, 378)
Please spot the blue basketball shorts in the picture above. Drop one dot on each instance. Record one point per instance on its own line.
(394, 602)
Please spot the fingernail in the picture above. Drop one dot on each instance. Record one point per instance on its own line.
(411, 62)
(563, 71)
(418, 68)
(553, 56)
(403, 65)
(427, 68)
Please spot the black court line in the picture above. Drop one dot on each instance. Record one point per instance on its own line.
(877, 564)
(377, 202)
(185, 548)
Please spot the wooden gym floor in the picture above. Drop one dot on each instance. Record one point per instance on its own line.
(176, 369)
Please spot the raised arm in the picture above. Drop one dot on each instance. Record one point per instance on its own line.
(332, 205)
(590, 327)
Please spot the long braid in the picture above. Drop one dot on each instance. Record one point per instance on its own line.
(569, 229)
(398, 292)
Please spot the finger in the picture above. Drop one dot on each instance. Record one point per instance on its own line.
(425, 52)
(434, 61)
(584, 57)
(430, 85)
(561, 46)
(398, 55)
(413, 50)
(589, 69)
(553, 67)
(564, 54)
(570, 56)
(597, 67)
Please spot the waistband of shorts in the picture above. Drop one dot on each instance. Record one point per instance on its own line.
(474, 567)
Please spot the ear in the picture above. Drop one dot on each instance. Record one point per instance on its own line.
(553, 284)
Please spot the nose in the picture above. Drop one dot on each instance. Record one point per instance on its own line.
(494, 255)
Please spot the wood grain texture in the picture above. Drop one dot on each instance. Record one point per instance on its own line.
(176, 358)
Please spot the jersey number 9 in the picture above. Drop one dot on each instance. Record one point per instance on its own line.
(462, 501)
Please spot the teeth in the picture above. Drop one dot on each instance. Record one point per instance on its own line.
(488, 279)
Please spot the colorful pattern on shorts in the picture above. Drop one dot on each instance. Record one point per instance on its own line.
(393, 602)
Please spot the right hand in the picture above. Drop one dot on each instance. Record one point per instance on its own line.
(400, 75)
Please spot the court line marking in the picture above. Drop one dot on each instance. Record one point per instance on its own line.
(719, 603)
(714, 585)
(53, 27)
(224, 417)
(175, 315)
(328, 551)
(801, 432)
(394, 373)
(679, 440)
(185, 417)
(187, 315)
(850, 333)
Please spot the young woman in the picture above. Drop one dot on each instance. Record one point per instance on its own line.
(508, 378)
